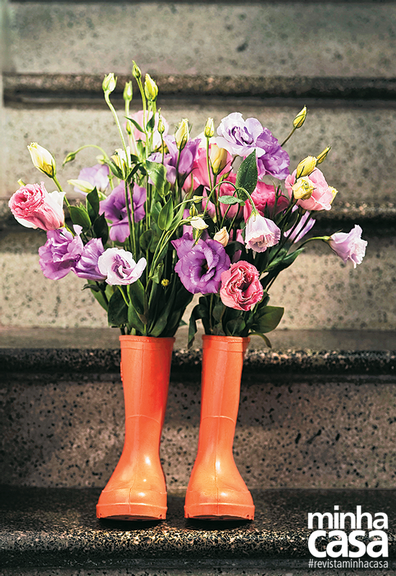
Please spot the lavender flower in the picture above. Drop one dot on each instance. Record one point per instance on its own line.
(186, 160)
(242, 137)
(200, 264)
(261, 233)
(60, 253)
(295, 234)
(119, 268)
(349, 247)
(97, 175)
(114, 208)
(87, 266)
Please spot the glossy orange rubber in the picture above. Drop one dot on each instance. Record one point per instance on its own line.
(216, 489)
(137, 487)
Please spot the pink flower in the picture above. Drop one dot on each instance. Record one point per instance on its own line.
(322, 196)
(119, 268)
(349, 247)
(34, 207)
(261, 233)
(240, 286)
(264, 197)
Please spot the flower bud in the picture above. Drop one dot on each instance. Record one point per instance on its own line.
(136, 72)
(69, 158)
(303, 188)
(128, 92)
(193, 211)
(42, 159)
(209, 128)
(300, 118)
(198, 223)
(150, 88)
(218, 158)
(222, 236)
(182, 134)
(109, 83)
(334, 192)
(161, 126)
(83, 185)
(306, 166)
(322, 156)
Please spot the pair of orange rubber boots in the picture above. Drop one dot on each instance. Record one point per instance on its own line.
(137, 487)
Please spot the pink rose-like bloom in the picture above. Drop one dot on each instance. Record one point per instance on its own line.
(264, 197)
(322, 196)
(261, 233)
(34, 207)
(240, 286)
(349, 247)
(119, 267)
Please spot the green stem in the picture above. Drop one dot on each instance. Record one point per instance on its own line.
(110, 105)
(290, 135)
(123, 295)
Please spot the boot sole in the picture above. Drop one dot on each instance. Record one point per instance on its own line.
(219, 511)
(130, 511)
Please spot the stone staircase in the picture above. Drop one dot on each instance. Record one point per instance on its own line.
(317, 420)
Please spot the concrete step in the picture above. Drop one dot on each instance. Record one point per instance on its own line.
(55, 532)
(318, 418)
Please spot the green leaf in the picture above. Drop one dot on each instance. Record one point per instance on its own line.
(230, 200)
(134, 320)
(93, 203)
(199, 312)
(157, 173)
(135, 124)
(150, 124)
(265, 338)
(115, 170)
(218, 311)
(137, 296)
(157, 275)
(269, 318)
(101, 228)
(145, 240)
(247, 174)
(166, 215)
(235, 327)
(117, 312)
(79, 216)
(97, 293)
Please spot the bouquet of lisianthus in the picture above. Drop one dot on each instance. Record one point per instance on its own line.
(166, 217)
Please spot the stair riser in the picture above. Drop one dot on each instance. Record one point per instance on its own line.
(292, 432)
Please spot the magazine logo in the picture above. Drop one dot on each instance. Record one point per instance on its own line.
(346, 531)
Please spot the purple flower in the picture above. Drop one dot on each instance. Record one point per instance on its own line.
(87, 266)
(200, 264)
(349, 247)
(114, 208)
(187, 157)
(295, 234)
(261, 233)
(60, 253)
(97, 175)
(119, 267)
(241, 138)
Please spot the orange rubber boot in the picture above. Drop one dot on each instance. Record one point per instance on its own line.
(216, 489)
(137, 488)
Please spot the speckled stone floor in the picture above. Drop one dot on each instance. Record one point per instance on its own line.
(47, 527)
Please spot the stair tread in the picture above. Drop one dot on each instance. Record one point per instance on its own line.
(40, 526)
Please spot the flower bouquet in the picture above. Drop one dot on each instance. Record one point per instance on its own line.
(164, 218)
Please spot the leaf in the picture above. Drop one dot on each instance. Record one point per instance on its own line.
(134, 320)
(265, 338)
(137, 296)
(135, 124)
(101, 228)
(157, 173)
(79, 216)
(230, 200)
(97, 293)
(218, 311)
(151, 123)
(198, 312)
(157, 275)
(115, 170)
(166, 215)
(269, 318)
(145, 239)
(93, 203)
(247, 174)
(235, 326)
(117, 312)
